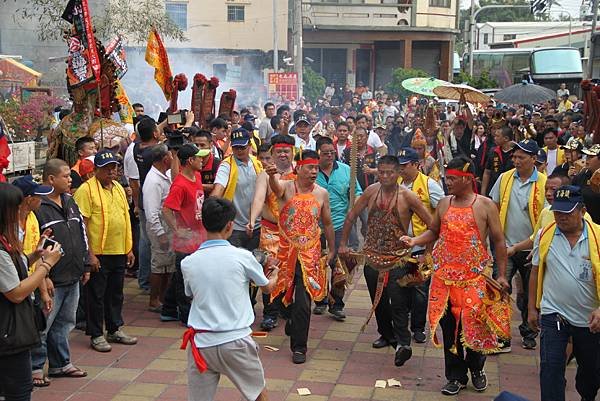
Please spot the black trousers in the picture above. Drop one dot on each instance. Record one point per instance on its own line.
(393, 308)
(518, 262)
(240, 239)
(177, 304)
(15, 376)
(419, 301)
(299, 323)
(105, 295)
(457, 365)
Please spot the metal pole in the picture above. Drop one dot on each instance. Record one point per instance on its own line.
(297, 34)
(275, 39)
(472, 34)
(592, 45)
(474, 18)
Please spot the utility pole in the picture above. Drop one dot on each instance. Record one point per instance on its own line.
(275, 39)
(297, 42)
(592, 55)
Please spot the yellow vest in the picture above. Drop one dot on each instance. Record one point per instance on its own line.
(421, 188)
(233, 174)
(31, 237)
(536, 197)
(545, 242)
(560, 155)
(92, 190)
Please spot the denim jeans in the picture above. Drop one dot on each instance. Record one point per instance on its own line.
(55, 339)
(15, 377)
(554, 336)
(145, 253)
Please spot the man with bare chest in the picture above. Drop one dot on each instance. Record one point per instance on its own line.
(391, 208)
(472, 322)
(303, 273)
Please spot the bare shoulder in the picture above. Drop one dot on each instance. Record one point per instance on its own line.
(371, 190)
(485, 202)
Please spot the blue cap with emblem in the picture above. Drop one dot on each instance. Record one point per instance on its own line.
(566, 198)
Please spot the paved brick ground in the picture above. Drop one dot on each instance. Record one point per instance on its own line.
(341, 364)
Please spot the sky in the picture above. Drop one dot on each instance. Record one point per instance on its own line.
(571, 6)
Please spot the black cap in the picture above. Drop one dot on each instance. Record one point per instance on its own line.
(240, 137)
(104, 158)
(303, 119)
(408, 155)
(186, 151)
(29, 187)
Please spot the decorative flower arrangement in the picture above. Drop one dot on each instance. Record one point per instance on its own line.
(25, 120)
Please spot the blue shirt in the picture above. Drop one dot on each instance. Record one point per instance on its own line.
(338, 186)
(217, 276)
(518, 225)
(569, 285)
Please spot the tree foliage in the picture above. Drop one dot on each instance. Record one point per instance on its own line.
(481, 82)
(507, 14)
(313, 84)
(28, 119)
(399, 75)
(128, 18)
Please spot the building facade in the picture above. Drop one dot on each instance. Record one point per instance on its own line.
(488, 34)
(363, 41)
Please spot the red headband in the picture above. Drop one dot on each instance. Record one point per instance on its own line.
(459, 173)
(282, 145)
(305, 162)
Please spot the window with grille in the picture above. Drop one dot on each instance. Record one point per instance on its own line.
(177, 12)
(235, 13)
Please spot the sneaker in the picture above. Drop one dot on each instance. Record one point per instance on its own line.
(298, 357)
(268, 323)
(420, 337)
(121, 338)
(479, 380)
(453, 387)
(99, 344)
(319, 309)
(504, 347)
(168, 318)
(529, 343)
(403, 354)
(337, 314)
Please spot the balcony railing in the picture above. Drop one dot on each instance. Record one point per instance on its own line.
(318, 14)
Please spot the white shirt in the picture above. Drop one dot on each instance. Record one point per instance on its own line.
(217, 277)
(390, 111)
(130, 168)
(374, 140)
(155, 190)
(329, 92)
(301, 143)
(551, 160)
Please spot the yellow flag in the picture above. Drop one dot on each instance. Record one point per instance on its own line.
(126, 111)
(156, 56)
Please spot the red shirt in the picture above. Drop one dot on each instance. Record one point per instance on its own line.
(185, 199)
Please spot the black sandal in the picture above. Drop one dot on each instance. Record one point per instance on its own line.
(43, 381)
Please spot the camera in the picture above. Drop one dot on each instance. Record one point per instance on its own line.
(177, 118)
(175, 139)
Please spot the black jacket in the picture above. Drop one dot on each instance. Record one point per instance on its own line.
(69, 230)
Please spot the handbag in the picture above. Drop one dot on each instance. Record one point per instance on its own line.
(19, 326)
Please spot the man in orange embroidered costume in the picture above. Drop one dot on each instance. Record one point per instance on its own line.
(462, 300)
(391, 208)
(265, 202)
(303, 273)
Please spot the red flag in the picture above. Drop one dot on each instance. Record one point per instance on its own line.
(91, 41)
(156, 56)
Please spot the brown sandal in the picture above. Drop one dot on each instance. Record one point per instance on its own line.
(43, 381)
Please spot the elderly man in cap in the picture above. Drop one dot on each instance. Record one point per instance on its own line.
(573, 151)
(564, 296)
(236, 181)
(519, 195)
(105, 210)
(589, 181)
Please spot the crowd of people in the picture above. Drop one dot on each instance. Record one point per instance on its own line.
(449, 206)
